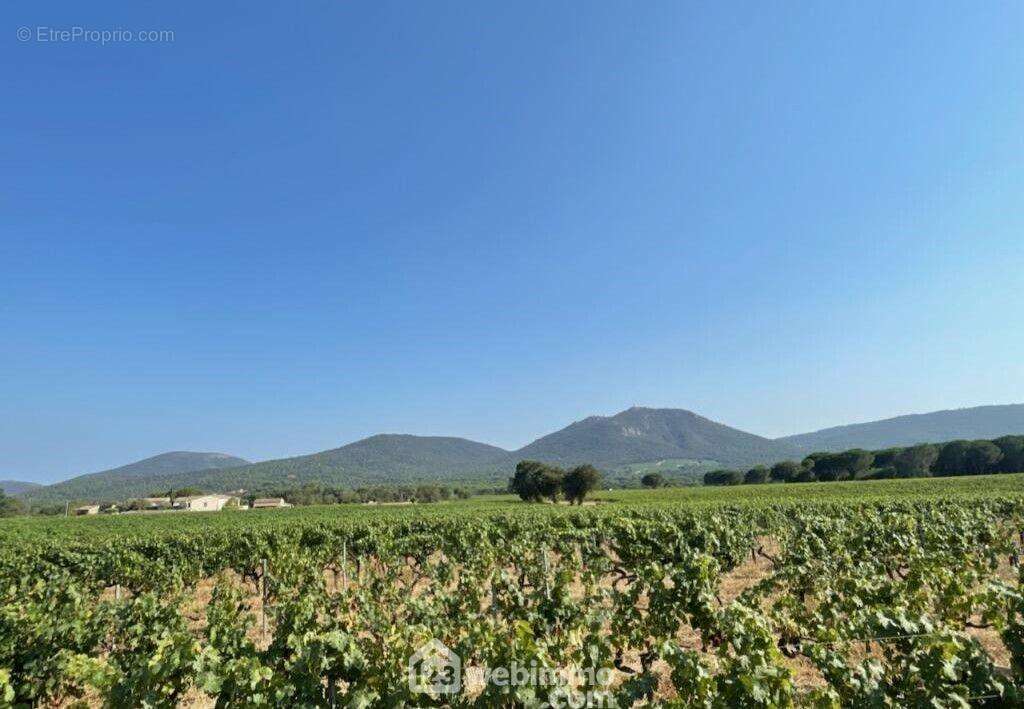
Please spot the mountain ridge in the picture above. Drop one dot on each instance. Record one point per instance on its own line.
(642, 434)
(974, 422)
(635, 436)
(106, 484)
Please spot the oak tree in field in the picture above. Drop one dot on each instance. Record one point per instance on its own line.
(534, 481)
(549, 484)
(525, 480)
(579, 481)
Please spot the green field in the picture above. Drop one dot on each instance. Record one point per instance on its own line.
(885, 593)
(134, 525)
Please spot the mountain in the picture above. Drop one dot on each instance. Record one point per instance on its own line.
(674, 441)
(138, 477)
(636, 435)
(385, 459)
(382, 459)
(668, 437)
(935, 427)
(639, 435)
(16, 487)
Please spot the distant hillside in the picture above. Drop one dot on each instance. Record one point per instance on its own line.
(134, 478)
(638, 435)
(378, 460)
(383, 459)
(979, 422)
(678, 443)
(614, 443)
(16, 487)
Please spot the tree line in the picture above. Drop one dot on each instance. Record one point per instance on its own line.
(535, 481)
(318, 494)
(981, 457)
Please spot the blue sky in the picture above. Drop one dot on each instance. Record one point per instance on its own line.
(299, 224)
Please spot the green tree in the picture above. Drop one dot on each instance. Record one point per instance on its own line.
(756, 475)
(533, 481)
(885, 458)
(785, 471)
(828, 466)
(841, 466)
(856, 461)
(429, 493)
(579, 481)
(981, 457)
(723, 477)
(806, 475)
(884, 473)
(653, 480)
(916, 461)
(968, 458)
(549, 484)
(1012, 448)
(811, 460)
(951, 458)
(525, 480)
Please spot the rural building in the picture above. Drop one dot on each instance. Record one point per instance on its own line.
(268, 502)
(207, 503)
(87, 510)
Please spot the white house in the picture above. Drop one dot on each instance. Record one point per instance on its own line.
(207, 503)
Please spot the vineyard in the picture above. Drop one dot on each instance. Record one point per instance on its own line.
(894, 593)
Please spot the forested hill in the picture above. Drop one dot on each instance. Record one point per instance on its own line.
(384, 459)
(636, 435)
(378, 460)
(612, 443)
(137, 477)
(642, 434)
(980, 422)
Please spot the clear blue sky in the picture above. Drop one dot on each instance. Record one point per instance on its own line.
(298, 224)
